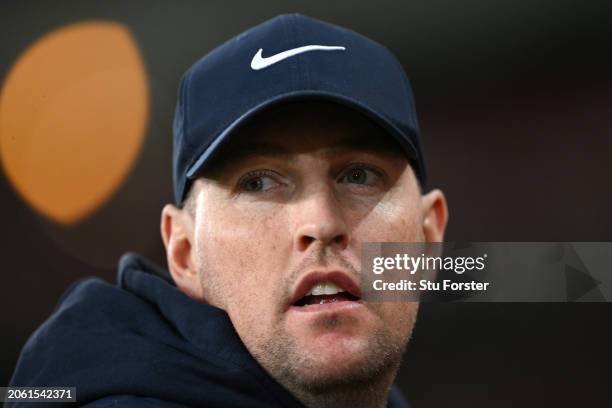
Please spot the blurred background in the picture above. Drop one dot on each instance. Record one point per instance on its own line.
(515, 104)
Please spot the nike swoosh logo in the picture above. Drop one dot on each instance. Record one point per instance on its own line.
(258, 62)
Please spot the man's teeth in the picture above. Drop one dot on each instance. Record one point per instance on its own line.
(324, 288)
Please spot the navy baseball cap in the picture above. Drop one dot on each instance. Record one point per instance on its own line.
(288, 58)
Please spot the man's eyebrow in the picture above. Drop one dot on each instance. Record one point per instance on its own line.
(235, 153)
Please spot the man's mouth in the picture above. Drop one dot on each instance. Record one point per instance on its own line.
(325, 292)
(324, 288)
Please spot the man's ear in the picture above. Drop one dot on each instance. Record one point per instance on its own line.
(177, 233)
(435, 215)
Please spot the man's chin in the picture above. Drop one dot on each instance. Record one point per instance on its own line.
(335, 359)
(320, 353)
(336, 351)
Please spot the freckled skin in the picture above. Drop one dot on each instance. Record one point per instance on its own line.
(252, 246)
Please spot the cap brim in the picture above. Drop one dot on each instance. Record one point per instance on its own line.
(403, 139)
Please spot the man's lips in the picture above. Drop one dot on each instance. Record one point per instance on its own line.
(339, 278)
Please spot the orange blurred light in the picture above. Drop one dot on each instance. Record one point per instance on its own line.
(73, 114)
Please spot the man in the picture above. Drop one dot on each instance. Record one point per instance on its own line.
(295, 143)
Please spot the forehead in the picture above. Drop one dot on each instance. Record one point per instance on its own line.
(301, 127)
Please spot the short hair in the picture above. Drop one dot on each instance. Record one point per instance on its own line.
(189, 203)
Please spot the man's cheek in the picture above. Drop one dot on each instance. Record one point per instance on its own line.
(401, 316)
(246, 257)
(402, 221)
(400, 229)
(403, 224)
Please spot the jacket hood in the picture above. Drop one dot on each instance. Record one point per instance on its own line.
(145, 337)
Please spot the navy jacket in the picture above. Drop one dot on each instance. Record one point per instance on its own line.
(143, 343)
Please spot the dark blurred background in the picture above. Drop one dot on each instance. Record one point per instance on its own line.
(515, 104)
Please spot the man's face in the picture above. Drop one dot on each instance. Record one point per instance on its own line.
(285, 209)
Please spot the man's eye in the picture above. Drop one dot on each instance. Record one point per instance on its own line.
(257, 182)
(360, 175)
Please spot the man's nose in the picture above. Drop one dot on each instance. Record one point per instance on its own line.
(320, 220)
